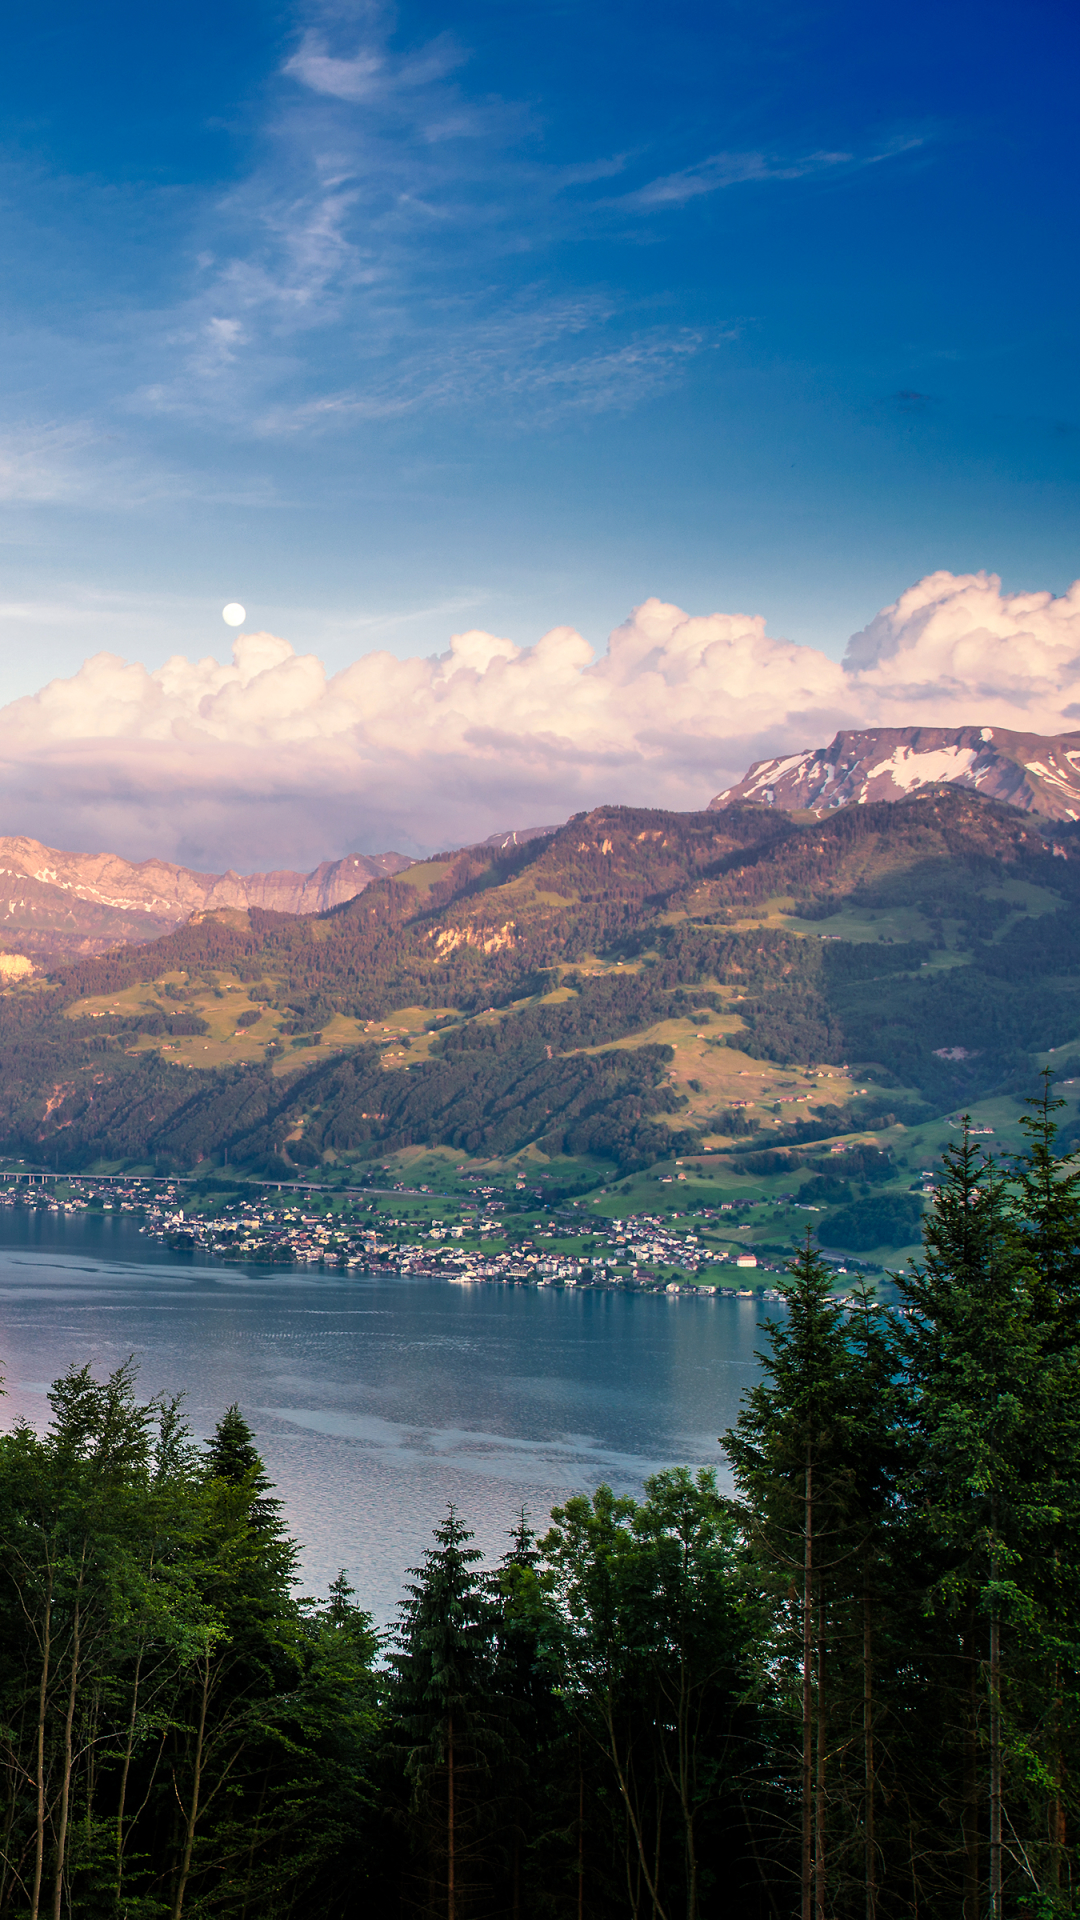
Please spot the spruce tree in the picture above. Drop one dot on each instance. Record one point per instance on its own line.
(232, 1456)
(972, 1366)
(1045, 1213)
(793, 1452)
(448, 1724)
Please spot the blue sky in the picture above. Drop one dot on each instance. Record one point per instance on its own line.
(506, 316)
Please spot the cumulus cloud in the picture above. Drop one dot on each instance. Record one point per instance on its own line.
(268, 761)
(957, 642)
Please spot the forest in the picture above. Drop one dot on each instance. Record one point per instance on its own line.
(836, 1676)
(537, 965)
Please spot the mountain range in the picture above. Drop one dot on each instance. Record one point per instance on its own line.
(758, 988)
(55, 904)
(1036, 772)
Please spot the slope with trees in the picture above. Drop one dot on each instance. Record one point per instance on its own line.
(542, 965)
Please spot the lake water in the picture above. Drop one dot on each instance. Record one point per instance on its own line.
(375, 1400)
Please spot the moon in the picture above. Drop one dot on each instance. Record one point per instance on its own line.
(234, 614)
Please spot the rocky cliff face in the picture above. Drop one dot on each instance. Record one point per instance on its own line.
(54, 903)
(1027, 770)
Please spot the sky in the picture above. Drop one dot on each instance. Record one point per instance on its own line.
(484, 352)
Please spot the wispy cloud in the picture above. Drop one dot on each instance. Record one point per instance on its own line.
(370, 74)
(41, 463)
(720, 170)
(392, 249)
(726, 170)
(383, 230)
(536, 357)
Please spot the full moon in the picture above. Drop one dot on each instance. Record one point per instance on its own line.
(234, 614)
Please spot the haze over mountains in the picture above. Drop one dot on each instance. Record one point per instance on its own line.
(1036, 772)
(80, 903)
(57, 905)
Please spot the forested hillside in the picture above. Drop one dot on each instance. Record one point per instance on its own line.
(845, 1685)
(581, 996)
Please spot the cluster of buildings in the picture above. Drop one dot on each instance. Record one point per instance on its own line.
(481, 1247)
(484, 1240)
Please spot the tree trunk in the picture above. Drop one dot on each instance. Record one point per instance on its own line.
(196, 1784)
(43, 1701)
(125, 1773)
(686, 1794)
(451, 1891)
(65, 1784)
(580, 1833)
(807, 1861)
(1056, 1809)
(819, 1784)
(621, 1775)
(869, 1780)
(971, 1780)
(995, 1764)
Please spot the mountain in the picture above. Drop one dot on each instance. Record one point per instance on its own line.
(637, 985)
(1037, 773)
(517, 836)
(54, 904)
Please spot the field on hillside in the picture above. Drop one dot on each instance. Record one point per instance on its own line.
(737, 1003)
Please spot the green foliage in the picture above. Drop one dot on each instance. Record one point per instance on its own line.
(881, 1220)
(825, 1190)
(493, 930)
(164, 1732)
(852, 1689)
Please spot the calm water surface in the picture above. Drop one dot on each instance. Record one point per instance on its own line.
(376, 1401)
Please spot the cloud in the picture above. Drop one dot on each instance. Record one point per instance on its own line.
(369, 75)
(720, 170)
(267, 760)
(956, 642)
(727, 170)
(399, 242)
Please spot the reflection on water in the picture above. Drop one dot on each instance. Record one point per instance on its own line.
(377, 1400)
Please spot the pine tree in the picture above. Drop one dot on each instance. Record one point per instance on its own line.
(448, 1723)
(971, 1353)
(232, 1456)
(527, 1678)
(793, 1451)
(1046, 1217)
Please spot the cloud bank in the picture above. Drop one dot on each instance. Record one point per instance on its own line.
(268, 761)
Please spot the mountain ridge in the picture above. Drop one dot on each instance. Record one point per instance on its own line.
(1037, 773)
(610, 995)
(55, 903)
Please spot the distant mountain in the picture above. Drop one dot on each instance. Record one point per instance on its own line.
(1037, 773)
(517, 836)
(62, 904)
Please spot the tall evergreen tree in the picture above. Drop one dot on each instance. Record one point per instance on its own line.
(971, 1351)
(794, 1450)
(1046, 1216)
(448, 1724)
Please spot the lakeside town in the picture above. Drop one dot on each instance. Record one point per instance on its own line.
(706, 1250)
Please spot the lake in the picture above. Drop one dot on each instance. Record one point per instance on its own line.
(375, 1400)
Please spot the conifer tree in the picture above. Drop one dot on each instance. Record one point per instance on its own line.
(527, 1677)
(1046, 1216)
(792, 1451)
(971, 1354)
(231, 1455)
(448, 1723)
